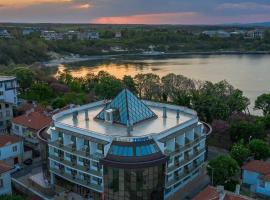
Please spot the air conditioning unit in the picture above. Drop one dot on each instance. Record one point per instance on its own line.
(109, 115)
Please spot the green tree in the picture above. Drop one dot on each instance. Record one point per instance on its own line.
(263, 103)
(108, 87)
(148, 86)
(245, 130)
(218, 101)
(129, 83)
(224, 170)
(178, 89)
(25, 77)
(59, 102)
(259, 149)
(40, 92)
(240, 153)
(12, 197)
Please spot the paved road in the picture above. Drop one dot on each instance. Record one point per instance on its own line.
(213, 152)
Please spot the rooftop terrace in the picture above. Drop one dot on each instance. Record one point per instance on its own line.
(132, 117)
(148, 127)
(7, 78)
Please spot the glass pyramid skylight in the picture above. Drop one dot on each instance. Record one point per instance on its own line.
(129, 109)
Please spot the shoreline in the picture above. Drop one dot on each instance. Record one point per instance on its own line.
(81, 58)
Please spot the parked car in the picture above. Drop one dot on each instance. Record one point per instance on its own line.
(28, 161)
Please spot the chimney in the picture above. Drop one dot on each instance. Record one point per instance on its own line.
(178, 114)
(86, 115)
(221, 192)
(164, 112)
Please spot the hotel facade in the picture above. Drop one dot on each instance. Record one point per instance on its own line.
(126, 148)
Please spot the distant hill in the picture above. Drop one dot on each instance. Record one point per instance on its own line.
(259, 24)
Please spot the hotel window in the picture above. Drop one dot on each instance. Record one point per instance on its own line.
(7, 105)
(1, 123)
(1, 92)
(1, 115)
(14, 149)
(1, 183)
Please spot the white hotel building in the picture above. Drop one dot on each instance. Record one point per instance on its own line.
(127, 149)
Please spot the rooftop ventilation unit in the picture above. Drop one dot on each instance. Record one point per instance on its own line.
(110, 115)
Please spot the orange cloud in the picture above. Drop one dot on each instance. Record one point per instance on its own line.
(25, 3)
(83, 6)
(158, 18)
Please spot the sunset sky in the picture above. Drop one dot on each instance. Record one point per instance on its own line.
(135, 11)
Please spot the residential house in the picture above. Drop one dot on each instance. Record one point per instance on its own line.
(256, 174)
(89, 35)
(218, 193)
(72, 35)
(255, 34)
(5, 179)
(8, 99)
(118, 35)
(219, 34)
(28, 125)
(11, 149)
(5, 34)
(6, 114)
(8, 89)
(51, 35)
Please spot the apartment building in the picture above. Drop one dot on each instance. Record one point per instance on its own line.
(126, 148)
(8, 99)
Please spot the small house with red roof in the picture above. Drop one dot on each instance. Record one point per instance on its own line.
(218, 193)
(256, 174)
(28, 126)
(11, 149)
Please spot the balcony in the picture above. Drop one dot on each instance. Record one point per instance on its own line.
(185, 161)
(75, 179)
(81, 153)
(183, 175)
(73, 164)
(188, 144)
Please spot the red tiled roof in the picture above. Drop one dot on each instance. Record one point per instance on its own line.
(258, 166)
(8, 139)
(28, 106)
(4, 167)
(209, 193)
(33, 120)
(231, 196)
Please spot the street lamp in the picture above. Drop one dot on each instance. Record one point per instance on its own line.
(249, 139)
(212, 174)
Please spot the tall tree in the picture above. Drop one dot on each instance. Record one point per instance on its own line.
(263, 102)
(223, 170)
(260, 149)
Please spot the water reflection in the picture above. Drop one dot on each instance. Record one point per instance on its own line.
(249, 73)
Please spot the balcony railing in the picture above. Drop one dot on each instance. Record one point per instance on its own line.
(74, 165)
(81, 153)
(183, 175)
(184, 162)
(188, 144)
(77, 180)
